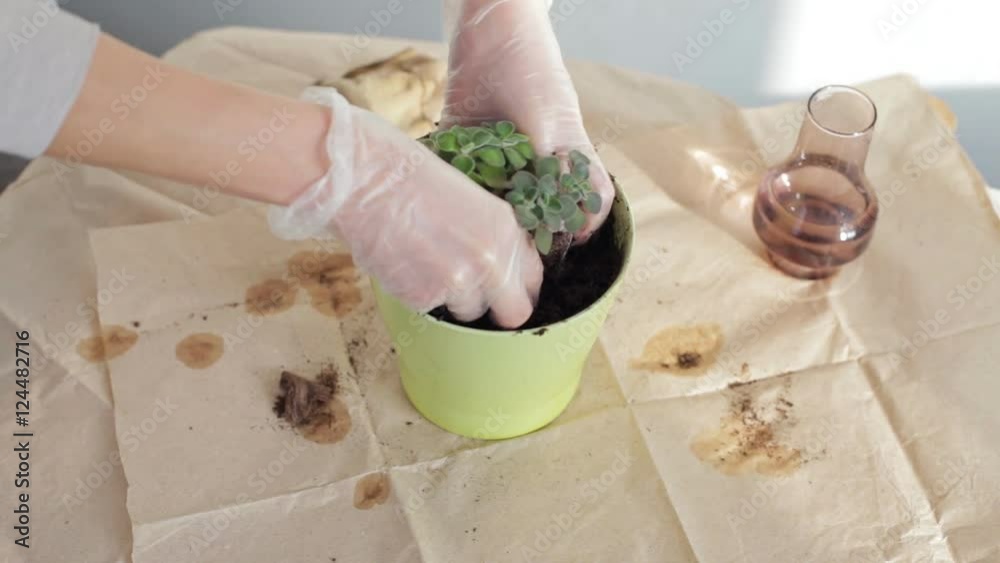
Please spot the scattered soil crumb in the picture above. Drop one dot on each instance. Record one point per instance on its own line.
(746, 440)
(540, 332)
(688, 360)
(681, 350)
(371, 491)
(311, 407)
(330, 279)
(114, 341)
(409, 423)
(200, 350)
(136, 324)
(204, 317)
(270, 297)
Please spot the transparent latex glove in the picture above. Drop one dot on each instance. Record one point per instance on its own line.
(427, 233)
(505, 63)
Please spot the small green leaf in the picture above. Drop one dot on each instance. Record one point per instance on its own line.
(476, 178)
(553, 221)
(483, 138)
(504, 129)
(518, 138)
(491, 156)
(578, 158)
(463, 163)
(515, 159)
(547, 185)
(593, 202)
(568, 206)
(554, 204)
(543, 240)
(493, 176)
(530, 193)
(462, 137)
(523, 179)
(525, 148)
(514, 197)
(446, 141)
(576, 221)
(525, 218)
(547, 166)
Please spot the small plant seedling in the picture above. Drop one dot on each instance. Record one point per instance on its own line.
(549, 202)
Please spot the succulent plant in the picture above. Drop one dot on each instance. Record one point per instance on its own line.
(546, 199)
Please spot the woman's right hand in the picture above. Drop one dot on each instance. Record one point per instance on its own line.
(428, 233)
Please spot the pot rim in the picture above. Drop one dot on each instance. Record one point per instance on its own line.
(620, 199)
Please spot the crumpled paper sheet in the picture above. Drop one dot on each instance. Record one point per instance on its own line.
(850, 418)
(896, 455)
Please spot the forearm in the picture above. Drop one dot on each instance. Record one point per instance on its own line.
(138, 113)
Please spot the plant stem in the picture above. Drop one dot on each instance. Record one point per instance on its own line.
(553, 261)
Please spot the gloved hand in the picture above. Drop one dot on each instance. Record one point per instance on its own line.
(422, 228)
(505, 63)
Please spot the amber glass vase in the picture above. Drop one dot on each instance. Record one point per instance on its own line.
(816, 210)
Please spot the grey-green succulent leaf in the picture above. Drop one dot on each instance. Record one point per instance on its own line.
(504, 129)
(494, 176)
(543, 240)
(592, 203)
(547, 166)
(523, 179)
(463, 163)
(525, 148)
(492, 156)
(516, 160)
(446, 141)
(526, 218)
(576, 221)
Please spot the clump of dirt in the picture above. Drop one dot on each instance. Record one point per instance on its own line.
(312, 407)
(586, 274)
(688, 360)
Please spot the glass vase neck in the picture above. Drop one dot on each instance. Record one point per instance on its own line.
(838, 123)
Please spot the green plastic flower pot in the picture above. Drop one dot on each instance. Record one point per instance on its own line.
(498, 384)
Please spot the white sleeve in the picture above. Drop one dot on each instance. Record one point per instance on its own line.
(449, 15)
(44, 59)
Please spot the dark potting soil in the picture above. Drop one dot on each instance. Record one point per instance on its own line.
(586, 274)
(301, 401)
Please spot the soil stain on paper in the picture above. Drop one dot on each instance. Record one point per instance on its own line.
(330, 279)
(371, 491)
(270, 297)
(312, 407)
(114, 341)
(681, 350)
(748, 437)
(199, 350)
